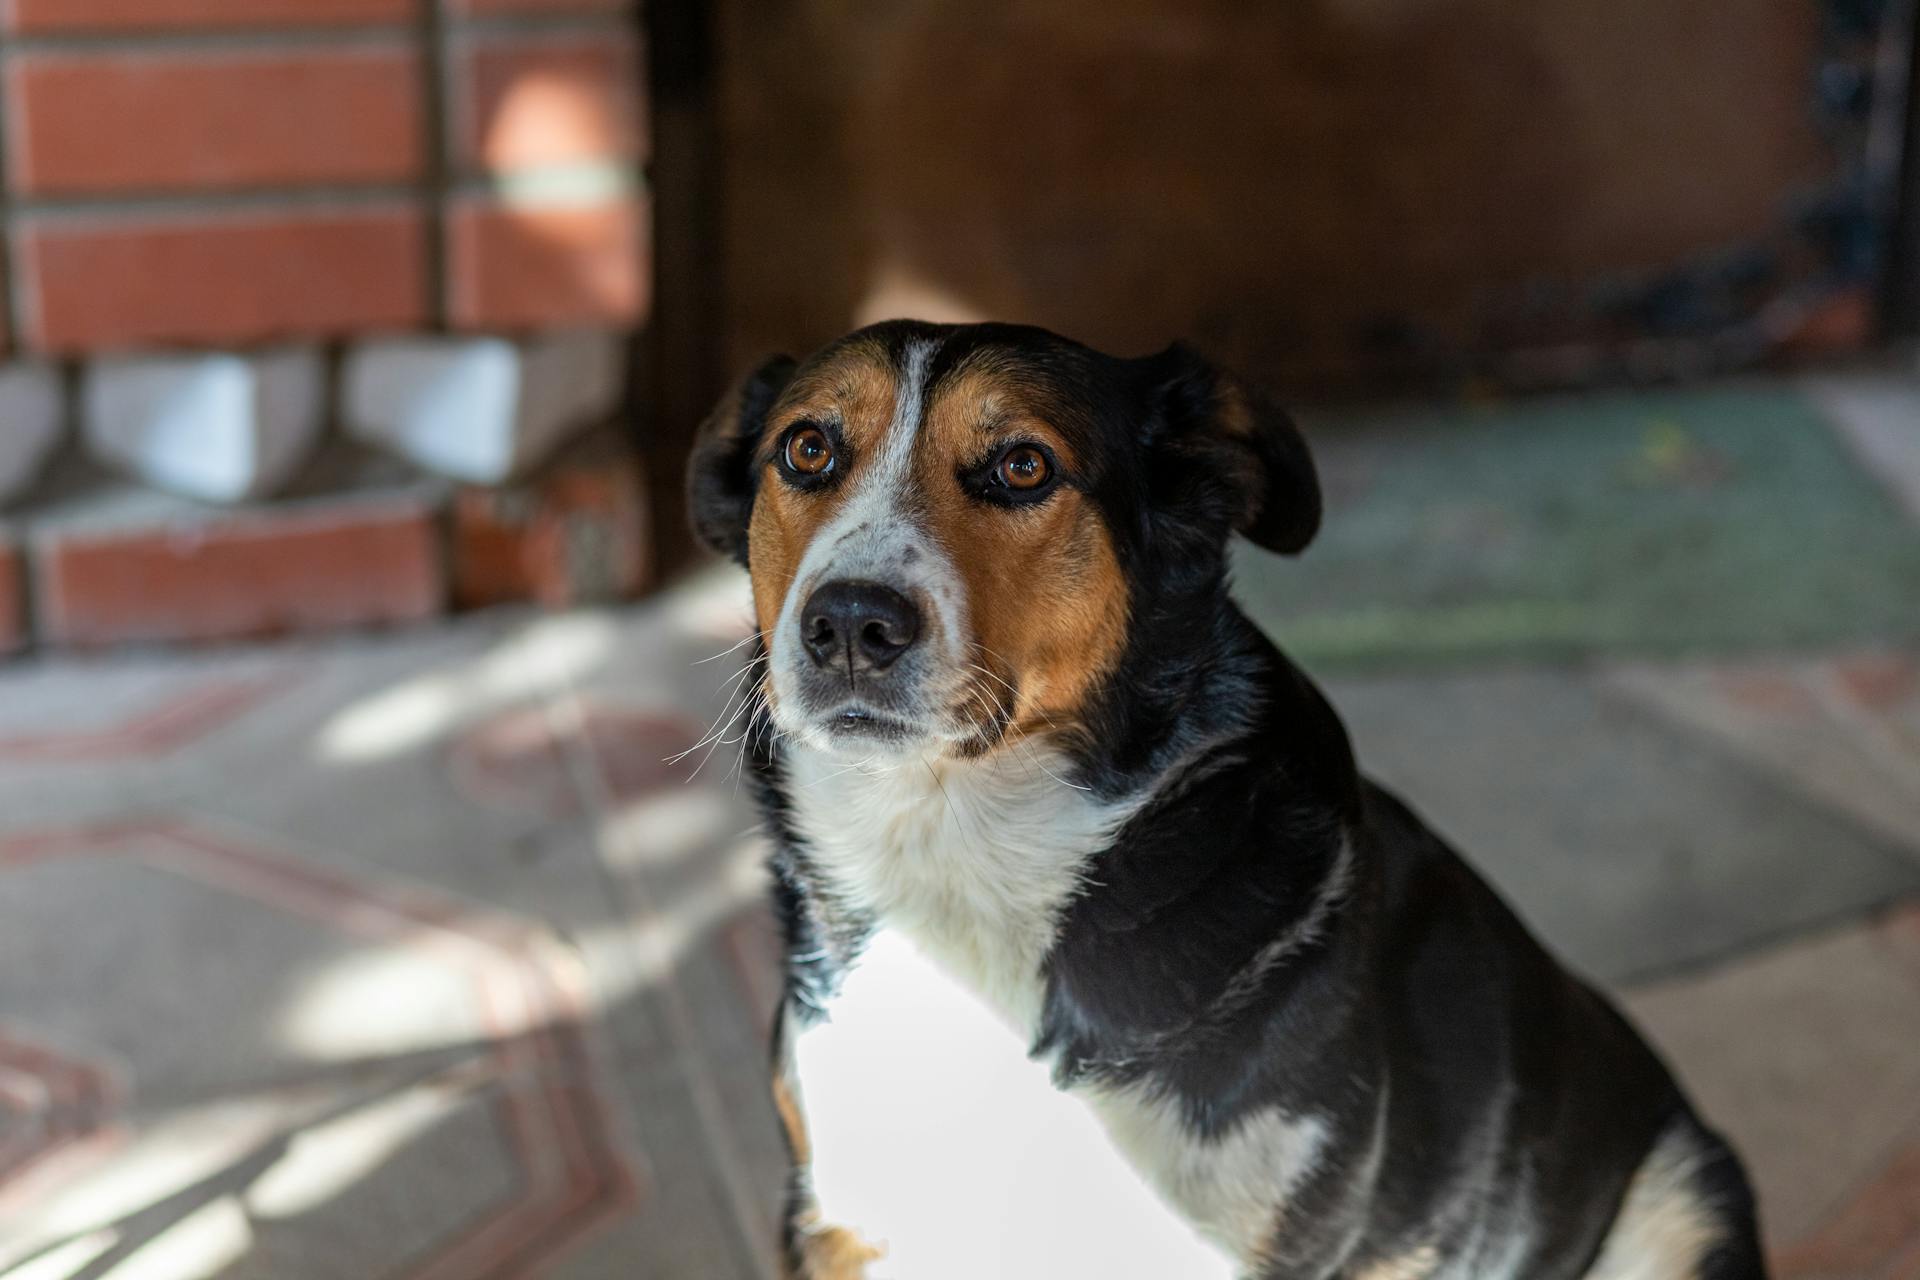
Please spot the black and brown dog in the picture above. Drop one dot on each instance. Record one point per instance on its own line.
(1103, 958)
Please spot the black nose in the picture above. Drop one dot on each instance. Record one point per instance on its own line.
(861, 624)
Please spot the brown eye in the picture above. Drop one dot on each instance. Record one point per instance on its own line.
(1023, 467)
(809, 452)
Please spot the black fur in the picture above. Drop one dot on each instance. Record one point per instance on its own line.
(719, 477)
(1407, 996)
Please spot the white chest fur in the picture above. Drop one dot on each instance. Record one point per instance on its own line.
(973, 860)
(935, 1136)
(931, 1129)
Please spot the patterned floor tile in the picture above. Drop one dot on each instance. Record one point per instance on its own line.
(1804, 1055)
(1631, 845)
(1841, 731)
(54, 1106)
(501, 1089)
(1874, 1234)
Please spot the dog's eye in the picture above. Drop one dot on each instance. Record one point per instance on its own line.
(808, 451)
(1022, 467)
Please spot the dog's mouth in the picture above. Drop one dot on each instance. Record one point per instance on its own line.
(967, 729)
(857, 723)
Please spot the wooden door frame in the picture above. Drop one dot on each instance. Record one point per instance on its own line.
(681, 371)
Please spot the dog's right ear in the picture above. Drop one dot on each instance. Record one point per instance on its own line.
(1228, 456)
(720, 478)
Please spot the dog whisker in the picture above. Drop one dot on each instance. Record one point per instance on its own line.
(732, 648)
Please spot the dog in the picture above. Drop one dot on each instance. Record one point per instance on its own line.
(1102, 957)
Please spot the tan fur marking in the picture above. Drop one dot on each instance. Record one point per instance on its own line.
(1044, 589)
(1236, 423)
(1664, 1229)
(856, 389)
(1416, 1265)
(834, 1253)
(792, 1120)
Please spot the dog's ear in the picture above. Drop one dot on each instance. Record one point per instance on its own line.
(1222, 454)
(720, 479)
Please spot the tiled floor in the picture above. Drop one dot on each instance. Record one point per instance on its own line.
(414, 956)
(392, 957)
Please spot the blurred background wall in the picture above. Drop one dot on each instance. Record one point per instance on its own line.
(1331, 194)
(1341, 196)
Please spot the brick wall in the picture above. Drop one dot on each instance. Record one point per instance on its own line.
(235, 171)
(204, 203)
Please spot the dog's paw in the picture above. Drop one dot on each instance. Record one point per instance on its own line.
(833, 1253)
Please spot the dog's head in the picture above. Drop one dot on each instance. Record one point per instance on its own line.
(956, 532)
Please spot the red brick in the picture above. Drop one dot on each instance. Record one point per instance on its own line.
(86, 123)
(239, 278)
(13, 597)
(574, 535)
(308, 566)
(554, 100)
(44, 16)
(519, 267)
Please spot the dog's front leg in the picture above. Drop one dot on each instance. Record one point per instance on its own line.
(823, 1252)
(814, 1249)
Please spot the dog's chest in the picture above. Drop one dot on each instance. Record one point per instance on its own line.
(934, 1135)
(931, 1129)
(973, 861)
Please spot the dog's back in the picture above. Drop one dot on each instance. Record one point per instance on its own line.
(1550, 1103)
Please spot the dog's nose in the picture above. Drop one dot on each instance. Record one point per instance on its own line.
(861, 624)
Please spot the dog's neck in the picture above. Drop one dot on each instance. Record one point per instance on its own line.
(973, 861)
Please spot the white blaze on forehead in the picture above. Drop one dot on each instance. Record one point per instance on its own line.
(871, 536)
(909, 404)
(881, 481)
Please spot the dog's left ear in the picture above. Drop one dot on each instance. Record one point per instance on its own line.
(1222, 452)
(720, 479)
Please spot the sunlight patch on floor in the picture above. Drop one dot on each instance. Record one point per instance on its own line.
(165, 1160)
(545, 658)
(647, 947)
(329, 1158)
(66, 1259)
(198, 1247)
(382, 1001)
(668, 827)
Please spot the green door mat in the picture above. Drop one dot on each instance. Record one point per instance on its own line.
(1670, 522)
